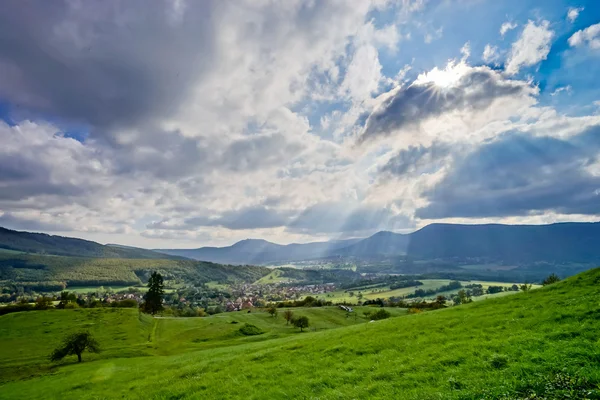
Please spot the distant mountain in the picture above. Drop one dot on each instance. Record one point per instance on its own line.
(562, 242)
(258, 251)
(41, 243)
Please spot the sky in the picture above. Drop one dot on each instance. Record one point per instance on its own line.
(179, 123)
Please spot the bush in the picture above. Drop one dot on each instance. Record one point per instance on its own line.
(250, 330)
(553, 278)
(414, 311)
(380, 314)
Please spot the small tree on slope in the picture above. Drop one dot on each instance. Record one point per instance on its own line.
(76, 343)
(288, 315)
(300, 322)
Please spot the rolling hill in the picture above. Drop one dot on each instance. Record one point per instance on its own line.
(41, 243)
(562, 242)
(52, 273)
(541, 344)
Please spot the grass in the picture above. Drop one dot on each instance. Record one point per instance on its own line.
(539, 344)
(385, 292)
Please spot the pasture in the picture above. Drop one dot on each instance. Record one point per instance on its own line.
(537, 344)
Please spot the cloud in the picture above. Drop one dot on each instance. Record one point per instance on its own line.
(507, 26)
(589, 36)
(490, 53)
(254, 217)
(573, 13)
(456, 88)
(349, 218)
(519, 174)
(567, 89)
(435, 35)
(417, 159)
(532, 47)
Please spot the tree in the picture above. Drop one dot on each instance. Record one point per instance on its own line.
(288, 315)
(462, 297)
(43, 303)
(301, 322)
(553, 278)
(272, 310)
(154, 297)
(75, 343)
(440, 300)
(525, 287)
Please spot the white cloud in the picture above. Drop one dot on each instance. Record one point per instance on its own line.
(567, 89)
(207, 132)
(589, 36)
(466, 51)
(507, 26)
(490, 53)
(532, 46)
(573, 13)
(435, 35)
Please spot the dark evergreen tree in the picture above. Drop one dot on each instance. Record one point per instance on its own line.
(154, 297)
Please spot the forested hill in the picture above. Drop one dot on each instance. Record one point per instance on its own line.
(41, 243)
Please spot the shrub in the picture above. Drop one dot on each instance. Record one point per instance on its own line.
(250, 330)
(414, 311)
(380, 314)
(553, 278)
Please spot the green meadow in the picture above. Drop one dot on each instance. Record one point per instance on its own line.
(385, 292)
(541, 344)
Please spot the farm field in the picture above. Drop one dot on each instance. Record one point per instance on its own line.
(385, 292)
(538, 344)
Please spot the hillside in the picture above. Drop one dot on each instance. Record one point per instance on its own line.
(563, 242)
(39, 272)
(538, 344)
(41, 243)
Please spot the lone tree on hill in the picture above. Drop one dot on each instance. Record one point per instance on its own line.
(300, 322)
(288, 315)
(272, 310)
(153, 298)
(76, 343)
(553, 278)
(525, 287)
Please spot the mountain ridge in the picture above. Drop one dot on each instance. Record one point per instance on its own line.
(43, 243)
(563, 241)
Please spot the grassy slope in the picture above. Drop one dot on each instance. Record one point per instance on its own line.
(481, 350)
(27, 338)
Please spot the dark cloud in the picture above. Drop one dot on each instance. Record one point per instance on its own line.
(24, 177)
(417, 159)
(108, 64)
(520, 175)
(411, 105)
(11, 221)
